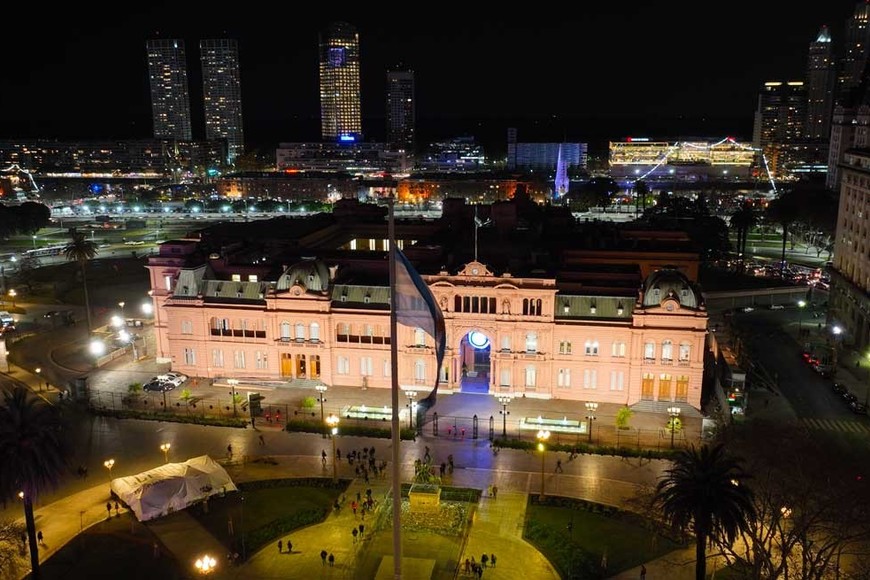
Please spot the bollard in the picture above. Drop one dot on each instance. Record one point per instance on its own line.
(435, 423)
(474, 427)
(491, 424)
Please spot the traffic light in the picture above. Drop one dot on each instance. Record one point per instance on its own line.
(255, 404)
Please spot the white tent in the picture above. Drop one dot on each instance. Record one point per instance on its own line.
(171, 487)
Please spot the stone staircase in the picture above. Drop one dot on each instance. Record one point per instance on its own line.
(661, 408)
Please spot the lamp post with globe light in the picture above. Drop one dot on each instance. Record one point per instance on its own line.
(165, 449)
(505, 401)
(674, 414)
(332, 423)
(412, 406)
(109, 464)
(543, 436)
(801, 305)
(590, 416)
(233, 383)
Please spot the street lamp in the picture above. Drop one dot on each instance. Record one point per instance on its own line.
(321, 389)
(505, 401)
(127, 337)
(206, 564)
(411, 406)
(165, 449)
(109, 464)
(121, 306)
(674, 413)
(34, 241)
(801, 305)
(332, 422)
(590, 416)
(38, 370)
(97, 347)
(233, 383)
(543, 436)
(12, 295)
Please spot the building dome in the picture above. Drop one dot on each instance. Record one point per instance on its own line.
(670, 283)
(311, 274)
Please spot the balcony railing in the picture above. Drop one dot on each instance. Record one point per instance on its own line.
(238, 333)
(362, 339)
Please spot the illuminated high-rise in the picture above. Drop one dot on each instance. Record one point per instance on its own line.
(820, 86)
(856, 47)
(340, 115)
(170, 100)
(401, 109)
(222, 93)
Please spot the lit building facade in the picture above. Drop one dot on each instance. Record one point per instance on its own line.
(401, 110)
(856, 47)
(820, 86)
(782, 113)
(352, 157)
(850, 276)
(534, 336)
(340, 114)
(544, 156)
(170, 98)
(222, 94)
(642, 158)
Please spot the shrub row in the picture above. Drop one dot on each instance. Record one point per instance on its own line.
(300, 426)
(587, 449)
(322, 482)
(152, 416)
(467, 494)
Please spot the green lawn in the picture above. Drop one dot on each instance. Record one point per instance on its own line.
(575, 538)
(271, 509)
(110, 550)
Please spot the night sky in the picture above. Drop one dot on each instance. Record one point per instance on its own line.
(593, 72)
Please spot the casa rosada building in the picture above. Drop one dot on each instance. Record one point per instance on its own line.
(505, 334)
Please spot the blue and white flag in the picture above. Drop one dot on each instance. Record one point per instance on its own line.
(416, 307)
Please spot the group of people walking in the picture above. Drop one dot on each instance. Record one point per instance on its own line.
(476, 568)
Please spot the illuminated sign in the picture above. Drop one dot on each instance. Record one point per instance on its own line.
(346, 138)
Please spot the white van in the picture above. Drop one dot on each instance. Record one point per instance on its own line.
(6, 318)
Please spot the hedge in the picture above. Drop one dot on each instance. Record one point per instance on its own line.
(172, 417)
(300, 426)
(582, 448)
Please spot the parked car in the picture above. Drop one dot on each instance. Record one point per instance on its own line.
(777, 307)
(157, 386)
(838, 388)
(849, 397)
(858, 408)
(176, 379)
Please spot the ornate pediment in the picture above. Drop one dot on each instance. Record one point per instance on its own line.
(476, 269)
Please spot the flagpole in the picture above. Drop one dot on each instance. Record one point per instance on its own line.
(476, 227)
(394, 372)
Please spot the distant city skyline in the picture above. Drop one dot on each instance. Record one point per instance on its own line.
(606, 74)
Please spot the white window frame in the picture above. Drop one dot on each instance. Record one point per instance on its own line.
(262, 360)
(299, 333)
(186, 327)
(420, 370)
(238, 359)
(564, 379)
(217, 357)
(591, 348)
(286, 331)
(189, 356)
(565, 347)
(685, 352)
(618, 349)
(365, 366)
(506, 343)
(531, 342)
(388, 368)
(617, 380)
(504, 378)
(419, 337)
(342, 366)
(649, 350)
(531, 377)
(590, 379)
(314, 332)
(667, 350)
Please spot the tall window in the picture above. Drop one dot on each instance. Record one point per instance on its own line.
(314, 331)
(591, 348)
(420, 371)
(167, 282)
(220, 327)
(565, 347)
(564, 380)
(365, 366)
(419, 337)
(504, 378)
(186, 327)
(445, 377)
(617, 380)
(189, 356)
(285, 331)
(239, 359)
(617, 349)
(649, 351)
(300, 331)
(531, 342)
(590, 379)
(343, 366)
(262, 361)
(506, 343)
(667, 350)
(217, 358)
(685, 351)
(531, 377)
(388, 369)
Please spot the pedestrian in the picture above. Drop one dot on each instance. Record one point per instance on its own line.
(450, 462)
(323, 557)
(642, 572)
(362, 530)
(338, 454)
(355, 532)
(262, 441)
(479, 572)
(492, 560)
(494, 491)
(230, 450)
(604, 563)
(463, 432)
(467, 565)
(280, 546)
(483, 560)
(268, 417)
(117, 510)
(108, 510)
(354, 506)
(289, 547)
(443, 468)
(277, 416)
(155, 550)
(558, 466)
(332, 560)
(323, 457)
(39, 538)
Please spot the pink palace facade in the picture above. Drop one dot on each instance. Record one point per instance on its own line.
(505, 334)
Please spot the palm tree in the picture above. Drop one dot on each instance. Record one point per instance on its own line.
(742, 220)
(784, 210)
(80, 249)
(33, 453)
(704, 491)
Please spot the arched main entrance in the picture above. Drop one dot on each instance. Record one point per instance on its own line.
(474, 361)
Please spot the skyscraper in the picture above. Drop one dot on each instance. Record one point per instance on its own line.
(222, 93)
(340, 116)
(170, 100)
(820, 86)
(781, 113)
(856, 46)
(401, 109)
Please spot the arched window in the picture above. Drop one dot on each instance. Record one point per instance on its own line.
(539, 307)
(649, 350)
(285, 331)
(667, 350)
(525, 306)
(314, 331)
(531, 342)
(300, 331)
(419, 337)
